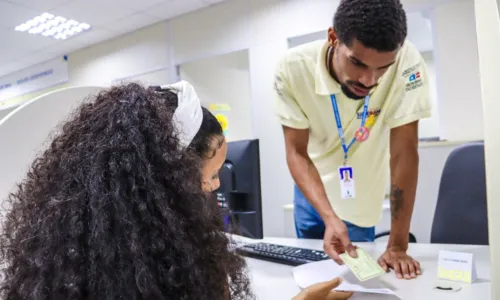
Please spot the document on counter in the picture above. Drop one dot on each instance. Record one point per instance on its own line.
(316, 272)
(363, 266)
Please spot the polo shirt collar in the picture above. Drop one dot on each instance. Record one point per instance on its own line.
(324, 83)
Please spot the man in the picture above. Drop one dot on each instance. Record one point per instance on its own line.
(350, 108)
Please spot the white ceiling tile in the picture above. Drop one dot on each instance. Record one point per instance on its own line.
(18, 44)
(63, 47)
(93, 12)
(40, 5)
(175, 8)
(4, 28)
(213, 1)
(141, 5)
(131, 23)
(12, 14)
(93, 36)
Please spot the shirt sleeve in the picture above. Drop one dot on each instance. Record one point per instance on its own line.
(411, 98)
(286, 106)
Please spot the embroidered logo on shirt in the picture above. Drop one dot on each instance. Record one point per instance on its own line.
(413, 77)
(278, 85)
(410, 70)
(414, 82)
(373, 112)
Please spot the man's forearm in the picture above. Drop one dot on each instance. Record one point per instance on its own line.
(404, 176)
(307, 178)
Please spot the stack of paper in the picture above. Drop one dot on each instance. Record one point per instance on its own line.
(316, 272)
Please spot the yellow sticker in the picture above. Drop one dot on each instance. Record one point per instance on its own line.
(454, 275)
(370, 121)
(222, 121)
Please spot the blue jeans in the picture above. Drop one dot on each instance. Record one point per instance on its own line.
(308, 223)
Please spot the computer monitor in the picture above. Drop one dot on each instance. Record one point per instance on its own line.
(239, 194)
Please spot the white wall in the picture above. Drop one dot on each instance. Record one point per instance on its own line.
(429, 128)
(457, 71)
(277, 183)
(144, 54)
(488, 28)
(224, 79)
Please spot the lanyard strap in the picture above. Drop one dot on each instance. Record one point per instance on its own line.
(339, 123)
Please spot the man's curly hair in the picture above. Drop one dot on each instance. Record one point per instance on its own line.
(377, 24)
(113, 209)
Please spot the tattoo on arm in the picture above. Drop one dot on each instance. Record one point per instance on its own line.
(396, 201)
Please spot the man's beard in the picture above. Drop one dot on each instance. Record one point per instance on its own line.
(344, 86)
(350, 94)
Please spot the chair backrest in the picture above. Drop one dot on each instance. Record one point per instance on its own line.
(461, 216)
(26, 131)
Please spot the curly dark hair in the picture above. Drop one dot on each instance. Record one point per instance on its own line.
(113, 209)
(203, 143)
(377, 24)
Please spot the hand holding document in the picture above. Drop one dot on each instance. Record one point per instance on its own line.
(316, 272)
(364, 266)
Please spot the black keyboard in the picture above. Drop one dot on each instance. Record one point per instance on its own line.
(281, 254)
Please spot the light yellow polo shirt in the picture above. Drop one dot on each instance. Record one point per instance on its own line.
(304, 86)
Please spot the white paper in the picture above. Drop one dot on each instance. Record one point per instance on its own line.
(347, 189)
(316, 272)
(457, 266)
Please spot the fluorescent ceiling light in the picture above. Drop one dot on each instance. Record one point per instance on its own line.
(53, 26)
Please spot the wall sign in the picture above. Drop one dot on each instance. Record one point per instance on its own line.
(32, 79)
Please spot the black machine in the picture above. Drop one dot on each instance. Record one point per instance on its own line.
(239, 197)
(281, 254)
(239, 194)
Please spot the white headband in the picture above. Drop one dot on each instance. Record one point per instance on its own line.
(188, 115)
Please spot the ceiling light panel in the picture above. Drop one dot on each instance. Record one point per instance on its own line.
(53, 26)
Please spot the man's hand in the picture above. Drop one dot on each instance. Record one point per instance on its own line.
(323, 291)
(404, 265)
(336, 240)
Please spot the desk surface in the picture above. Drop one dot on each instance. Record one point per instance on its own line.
(274, 281)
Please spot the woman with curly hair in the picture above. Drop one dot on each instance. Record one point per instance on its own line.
(114, 208)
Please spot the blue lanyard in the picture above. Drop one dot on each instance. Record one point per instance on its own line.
(339, 123)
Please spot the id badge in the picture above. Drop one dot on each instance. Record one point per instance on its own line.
(346, 176)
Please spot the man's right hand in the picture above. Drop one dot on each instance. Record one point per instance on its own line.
(336, 240)
(305, 174)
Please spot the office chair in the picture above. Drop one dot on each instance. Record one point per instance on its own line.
(461, 216)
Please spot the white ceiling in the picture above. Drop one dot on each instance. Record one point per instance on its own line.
(109, 18)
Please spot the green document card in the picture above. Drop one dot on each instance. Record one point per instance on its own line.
(364, 266)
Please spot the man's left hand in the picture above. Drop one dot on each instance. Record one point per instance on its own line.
(403, 265)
